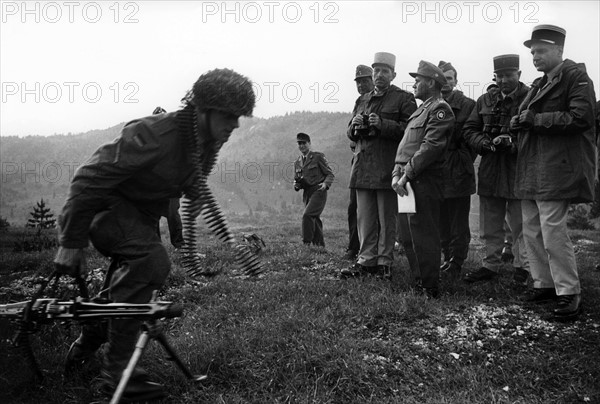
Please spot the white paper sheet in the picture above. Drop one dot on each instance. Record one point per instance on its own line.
(406, 204)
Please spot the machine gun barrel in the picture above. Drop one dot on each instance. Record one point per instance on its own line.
(53, 309)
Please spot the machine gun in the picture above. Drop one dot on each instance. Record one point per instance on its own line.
(29, 315)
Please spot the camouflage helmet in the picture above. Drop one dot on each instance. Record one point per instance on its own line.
(223, 90)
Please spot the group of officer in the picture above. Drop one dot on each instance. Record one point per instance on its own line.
(538, 155)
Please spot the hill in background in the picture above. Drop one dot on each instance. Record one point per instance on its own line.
(253, 176)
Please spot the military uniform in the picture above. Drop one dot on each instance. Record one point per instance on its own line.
(496, 175)
(420, 156)
(116, 200)
(372, 168)
(362, 72)
(556, 166)
(311, 171)
(459, 185)
(118, 196)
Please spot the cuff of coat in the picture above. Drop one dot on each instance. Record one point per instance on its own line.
(539, 121)
(409, 171)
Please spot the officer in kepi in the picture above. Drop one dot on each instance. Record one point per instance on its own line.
(556, 166)
(312, 174)
(487, 132)
(420, 161)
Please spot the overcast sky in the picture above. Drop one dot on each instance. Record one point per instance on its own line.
(74, 66)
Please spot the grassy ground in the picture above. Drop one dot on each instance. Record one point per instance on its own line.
(298, 334)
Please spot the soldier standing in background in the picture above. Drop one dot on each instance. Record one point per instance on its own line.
(420, 161)
(377, 127)
(487, 132)
(459, 179)
(312, 174)
(556, 166)
(364, 84)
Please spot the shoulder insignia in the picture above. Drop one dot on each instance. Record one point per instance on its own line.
(440, 114)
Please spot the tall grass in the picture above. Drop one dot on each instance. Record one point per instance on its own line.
(298, 334)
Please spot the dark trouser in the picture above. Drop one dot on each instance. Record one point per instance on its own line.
(420, 233)
(174, 222)
(312, 227)
(353, 241)
(139, 265)
(455, 233)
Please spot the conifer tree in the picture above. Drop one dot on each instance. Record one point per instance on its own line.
(41, 218)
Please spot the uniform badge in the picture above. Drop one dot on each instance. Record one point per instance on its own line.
(440, 115)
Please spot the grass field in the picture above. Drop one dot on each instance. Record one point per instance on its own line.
(298, 334)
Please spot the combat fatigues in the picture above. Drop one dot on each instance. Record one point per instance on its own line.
(116, 200)
(311, 171)
(459, 185)
(421, 156)
(496, 175)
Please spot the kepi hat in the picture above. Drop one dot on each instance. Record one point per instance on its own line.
(547, 33)
(506, 62)
(385, 58)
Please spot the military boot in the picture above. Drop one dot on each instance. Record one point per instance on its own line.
(83, 349)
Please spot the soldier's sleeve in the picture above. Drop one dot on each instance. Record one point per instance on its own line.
(113, 163)
(439, 127)
(394, 129)
(350, 130)
(326, 170)
(467, 108)
(580, 113)
(473, 129)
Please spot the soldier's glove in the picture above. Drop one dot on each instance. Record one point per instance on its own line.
(487, 147)
(71, 261)
(527, 119)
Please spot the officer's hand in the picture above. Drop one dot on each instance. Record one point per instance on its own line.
(374, 120)
(487, 147)
(526, 119)
(357, 120)
(502, 143)
(71, 261)
(399, 185)
(322, 187)
(514, 123)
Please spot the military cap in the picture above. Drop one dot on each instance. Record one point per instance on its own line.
(548, 34)
(302, 137)
(363, 71)
(506, 62)
(446, 66)
(429, 70)
(385, 58)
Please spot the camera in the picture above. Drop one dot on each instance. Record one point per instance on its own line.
(362, 129)
(300, 181)
(502, 142)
